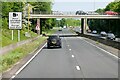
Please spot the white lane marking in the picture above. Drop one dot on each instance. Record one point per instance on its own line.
(73, 56)
(78, 68)
(102, 49)
(70, 49)
(27, 62)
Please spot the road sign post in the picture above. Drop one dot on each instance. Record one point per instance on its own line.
(12, 35)
(18, 35)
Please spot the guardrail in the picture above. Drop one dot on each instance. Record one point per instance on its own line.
(54, 12)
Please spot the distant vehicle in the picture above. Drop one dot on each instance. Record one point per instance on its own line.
(103, 33)
(60, 30)
(111, 36)
(64, 27)
(88, 31)
(54, 41)
(111, 13)
(94, 32)
(80, 12)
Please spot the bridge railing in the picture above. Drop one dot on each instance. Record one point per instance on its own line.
(53, 13)
(61, 13)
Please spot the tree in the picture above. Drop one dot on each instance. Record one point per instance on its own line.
(100, 11)
(108, 25)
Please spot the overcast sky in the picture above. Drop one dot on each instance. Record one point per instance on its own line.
(74, 5)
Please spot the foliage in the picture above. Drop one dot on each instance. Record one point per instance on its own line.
(44, 8)
(100, 11)
(107, 25)
(72, 22)
(6, 36)
(68, 22)
(12, 57)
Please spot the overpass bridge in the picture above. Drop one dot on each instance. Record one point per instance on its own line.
(83, 18)
(74, 16)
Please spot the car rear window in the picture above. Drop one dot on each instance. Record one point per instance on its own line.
(51, 37)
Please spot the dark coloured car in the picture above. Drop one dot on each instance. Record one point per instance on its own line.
(54, 41)
(81, 13)
(60, 30)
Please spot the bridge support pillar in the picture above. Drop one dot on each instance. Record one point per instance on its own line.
(82, 26)
(85, 25)
(38, 27)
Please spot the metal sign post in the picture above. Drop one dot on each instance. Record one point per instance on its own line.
(12, 35)
(18, 35)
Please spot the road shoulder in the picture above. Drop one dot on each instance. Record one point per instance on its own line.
(110, 49)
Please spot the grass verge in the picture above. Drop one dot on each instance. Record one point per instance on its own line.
(6, 36)
(9, 59)
(14, 56)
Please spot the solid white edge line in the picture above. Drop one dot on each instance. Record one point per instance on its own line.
(102, 49)
(27, 62)
(78, 68)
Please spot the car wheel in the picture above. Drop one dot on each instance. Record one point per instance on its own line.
(60, 46)
(48, 46)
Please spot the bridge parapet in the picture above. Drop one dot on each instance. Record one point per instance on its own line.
(54, 13)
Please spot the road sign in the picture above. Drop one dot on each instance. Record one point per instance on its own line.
(15, 20)
(37, 27)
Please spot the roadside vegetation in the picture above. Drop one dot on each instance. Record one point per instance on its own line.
(37, 6)
(107, 25)
(15, 55)
(7, 36)
(12, 57)
(68, 22)
(9, 59)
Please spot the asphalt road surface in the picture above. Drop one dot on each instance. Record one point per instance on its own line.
(76, 59)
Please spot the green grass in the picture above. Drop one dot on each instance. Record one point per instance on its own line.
(12, 57)
(7, 36)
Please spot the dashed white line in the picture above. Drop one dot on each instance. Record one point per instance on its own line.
(27, 62)
(78, 68)
(70, 49)
(73, 56)
(101, 49)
